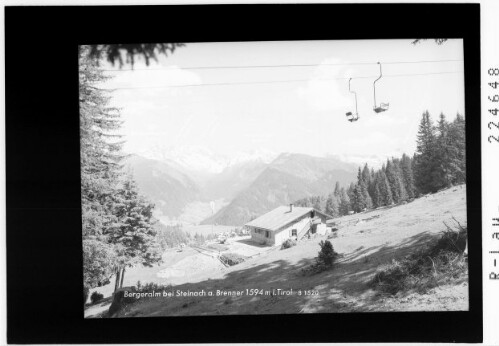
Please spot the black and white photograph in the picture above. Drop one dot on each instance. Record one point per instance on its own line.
(273, 177)
(204, 171)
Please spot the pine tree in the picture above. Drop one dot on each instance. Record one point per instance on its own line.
(100, 160)
(359, 176)
(376, 195)
(132, 232)
(358, 202)
(425, 160)
(318, 203)
(368, 203)
(366, 175)
(394, 180)
(99, 151)
(337, 190)
(417, 193)
(384, 187)
(363, 180)
(457, 150)
(332, 206)
(442, 175)
(350, 192)
(399, 179)
(117, 223)
(407, 176)
(344, 207)
(371, 188)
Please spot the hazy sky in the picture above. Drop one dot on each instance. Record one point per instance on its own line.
(306, 115)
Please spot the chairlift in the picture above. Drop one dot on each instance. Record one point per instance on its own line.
(352, 118)
(382, 106)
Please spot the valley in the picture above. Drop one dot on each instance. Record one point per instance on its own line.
(234, 194)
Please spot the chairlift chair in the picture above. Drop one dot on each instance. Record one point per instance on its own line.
(382, 106)
(349, 114)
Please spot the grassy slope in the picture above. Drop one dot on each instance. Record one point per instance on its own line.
(365, 241)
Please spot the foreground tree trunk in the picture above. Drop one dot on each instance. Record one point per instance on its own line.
(117, 282)
(122, 277)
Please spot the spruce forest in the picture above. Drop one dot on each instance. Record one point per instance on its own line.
(438, 163)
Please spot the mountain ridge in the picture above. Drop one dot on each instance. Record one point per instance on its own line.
(288, 178)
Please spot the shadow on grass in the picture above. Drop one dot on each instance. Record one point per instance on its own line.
(340, 289)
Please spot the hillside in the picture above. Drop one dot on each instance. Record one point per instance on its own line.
(232, 180)
(288, 178)
(365, 241)
(167, 187)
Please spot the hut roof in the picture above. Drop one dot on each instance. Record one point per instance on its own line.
(279, 217)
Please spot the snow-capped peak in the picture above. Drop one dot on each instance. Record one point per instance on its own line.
(198, 158)
(262, 155)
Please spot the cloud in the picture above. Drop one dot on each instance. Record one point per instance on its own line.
(327, 89)
(372, 144)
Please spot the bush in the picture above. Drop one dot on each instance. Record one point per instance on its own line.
(426, 268)
(288, 243)
(232, 259)
(327, 255)
(325, 259)
(96, 297)
(151, 286)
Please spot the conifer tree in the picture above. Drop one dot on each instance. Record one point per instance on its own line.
(363, 180)
(368, 203)
(384, 187)
(132, 232)
(442, 175)
(457, 150)
(396, 187)
(371, 187)
(407, 176)
(350, 191)
(117, 223)
(344, 207)
(425, 160)
(100, 148)
(100, 162)
(332, 206)
(357, 202)
(359, 176)
(399, 179)
(417, 192)
(376, 195)
(366, 175)
(337, 190)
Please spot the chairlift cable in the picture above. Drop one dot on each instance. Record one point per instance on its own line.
(275, 66)
(278, 81)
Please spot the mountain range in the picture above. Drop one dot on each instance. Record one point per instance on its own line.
(248, 187)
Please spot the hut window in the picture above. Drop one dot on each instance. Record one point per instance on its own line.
(267, 234)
